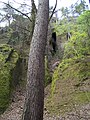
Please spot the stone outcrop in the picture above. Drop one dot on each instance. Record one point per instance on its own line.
(9, 74)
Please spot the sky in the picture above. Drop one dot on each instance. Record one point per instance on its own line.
(60, 4)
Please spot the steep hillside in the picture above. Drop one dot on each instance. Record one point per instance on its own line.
(67, 98)
(70, 87)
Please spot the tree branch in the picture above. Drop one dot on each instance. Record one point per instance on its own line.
(57, 10)
(17, 10)
(53, 11)
(2, 19)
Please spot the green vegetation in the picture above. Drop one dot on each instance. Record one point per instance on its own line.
(6, 69)
(79, 44)
(70, 86)
(70, 82)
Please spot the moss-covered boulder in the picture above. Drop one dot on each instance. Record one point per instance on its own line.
(9, 61)
(70, 86)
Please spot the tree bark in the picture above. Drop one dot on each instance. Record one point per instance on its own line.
(33, 17)
(34, 101)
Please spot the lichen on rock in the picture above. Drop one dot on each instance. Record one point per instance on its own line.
(8, 61)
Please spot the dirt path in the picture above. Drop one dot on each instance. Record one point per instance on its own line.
(82, 113)
(15, 110)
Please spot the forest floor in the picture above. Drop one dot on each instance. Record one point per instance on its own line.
(15, 110)
(77, 113)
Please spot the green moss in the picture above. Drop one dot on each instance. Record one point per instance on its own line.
(82, 97)
(5, 74)
(69, 86)
(54, 79)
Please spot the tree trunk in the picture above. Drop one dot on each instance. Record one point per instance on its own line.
(34, 101)
(33, 17)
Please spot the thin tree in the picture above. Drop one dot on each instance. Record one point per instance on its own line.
(34, 101)
(33, 16)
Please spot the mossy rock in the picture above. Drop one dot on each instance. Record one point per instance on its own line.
(70, 86)
(8, 62)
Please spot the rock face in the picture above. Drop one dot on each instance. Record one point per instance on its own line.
(9, 64)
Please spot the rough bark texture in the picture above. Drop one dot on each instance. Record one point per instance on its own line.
(34, 102)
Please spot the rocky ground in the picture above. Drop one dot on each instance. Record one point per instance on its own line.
(82, 113)
(15, 110)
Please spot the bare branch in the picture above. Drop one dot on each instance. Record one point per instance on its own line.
(2, 19)
(53, 11)
(17, 10)
(57, 10)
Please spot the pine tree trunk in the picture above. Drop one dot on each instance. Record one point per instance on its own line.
(34, 101)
